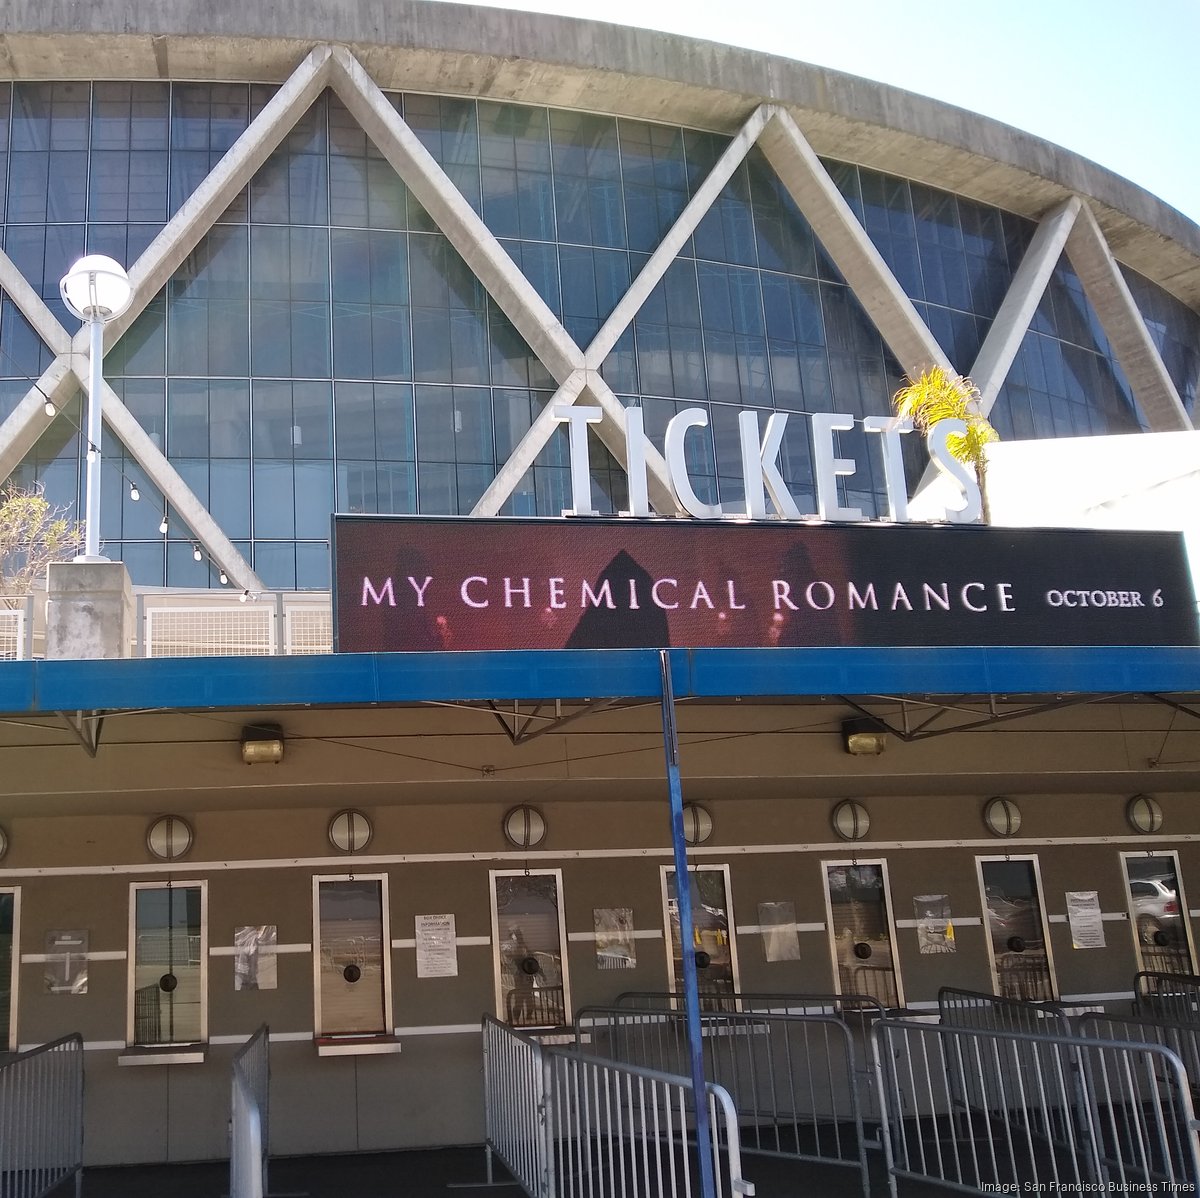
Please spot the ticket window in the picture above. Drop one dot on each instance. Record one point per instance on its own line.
(1158, 912)
(168, 964)
(528, 937)
(351, 957)
(713, 941)
(862, 934)
(1018, 944)
(10, 906)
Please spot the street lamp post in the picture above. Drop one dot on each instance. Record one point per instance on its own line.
(96, 289)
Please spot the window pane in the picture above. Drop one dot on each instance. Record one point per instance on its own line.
(168, 953)
(861, 931)
(1016, 930)
(1157, 910)
(711, 936)
(8, 904)
(350, 995)
(529, 942)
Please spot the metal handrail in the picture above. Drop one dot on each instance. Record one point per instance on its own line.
(249, 1123)
(41, 1117)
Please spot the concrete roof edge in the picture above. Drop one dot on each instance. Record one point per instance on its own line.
(575, 63)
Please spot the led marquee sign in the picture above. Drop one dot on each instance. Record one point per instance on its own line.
(421, 583)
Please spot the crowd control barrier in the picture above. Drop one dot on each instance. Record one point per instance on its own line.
(250, 1117)
(1004, 1111)
(793, 1079)
(41, 1119)
(573, 1126)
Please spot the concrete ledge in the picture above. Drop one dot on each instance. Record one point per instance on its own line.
(560, 61)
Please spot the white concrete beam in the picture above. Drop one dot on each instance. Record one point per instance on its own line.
(846, 242)
(166, 478)
(28, 420)
(1125, 327)
(1029, 284)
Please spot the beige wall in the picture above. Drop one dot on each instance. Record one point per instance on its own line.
(438, 843)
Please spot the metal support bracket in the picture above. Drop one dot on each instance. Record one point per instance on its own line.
(86, 727)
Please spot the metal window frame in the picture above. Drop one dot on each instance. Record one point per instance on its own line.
(10, 1041)
(890, 910)
(987, 927)
(497, 971)
(200, 884)
(1185, 913)
(676, 984)
(385, 950)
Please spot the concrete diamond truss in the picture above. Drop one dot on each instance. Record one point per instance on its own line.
(1070, 227)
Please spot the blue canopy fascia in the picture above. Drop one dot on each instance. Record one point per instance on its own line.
(363, 678)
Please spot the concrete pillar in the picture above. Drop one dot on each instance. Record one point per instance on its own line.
(89, 610)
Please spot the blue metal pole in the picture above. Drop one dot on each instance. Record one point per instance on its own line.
(683, 899)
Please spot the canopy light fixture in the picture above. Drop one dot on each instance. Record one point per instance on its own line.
(164, 525)
(864, 737)
(134, 493)
(262, 744)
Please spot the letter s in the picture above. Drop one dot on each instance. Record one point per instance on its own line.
(958, 472)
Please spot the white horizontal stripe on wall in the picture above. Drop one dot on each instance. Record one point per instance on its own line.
(1109, 996)
(118, 954)
(338, 864)
(232, 950)
(753, 929)
(958, 921)
(439, 1029)
(1107, 916)
(591, 937)
(460, 941)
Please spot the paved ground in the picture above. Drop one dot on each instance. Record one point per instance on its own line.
(438, 1173)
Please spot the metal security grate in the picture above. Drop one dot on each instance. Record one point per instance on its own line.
(241, 631)
(12, 634)
(308, 629)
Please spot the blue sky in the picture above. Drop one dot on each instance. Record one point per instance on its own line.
(1110, 79)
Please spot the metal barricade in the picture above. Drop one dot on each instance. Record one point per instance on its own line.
(250, 1117)
(793, 1079)
(41, 1119)
(570, 1126)
(1005, 1111)
(844, 1005)
(990, 1012)
(1171, 996)
(1183, 1039)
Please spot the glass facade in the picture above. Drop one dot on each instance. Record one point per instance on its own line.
(325, 347)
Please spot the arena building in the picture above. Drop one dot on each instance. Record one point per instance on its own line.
(430, 260)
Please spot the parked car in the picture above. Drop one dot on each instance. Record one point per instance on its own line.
(1156, 910)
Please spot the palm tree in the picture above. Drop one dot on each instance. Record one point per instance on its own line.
(939, 395)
